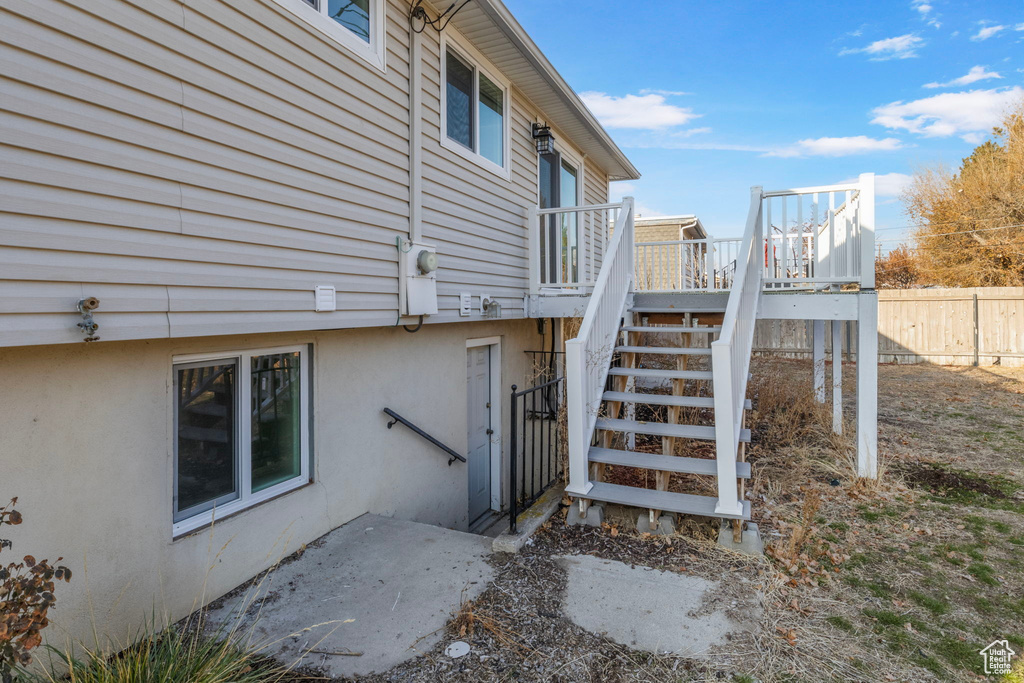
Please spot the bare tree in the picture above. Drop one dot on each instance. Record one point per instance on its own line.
(970, 224)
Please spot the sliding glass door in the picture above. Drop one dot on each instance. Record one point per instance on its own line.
(559, 186)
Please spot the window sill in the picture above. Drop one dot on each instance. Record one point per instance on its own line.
(471, 156)
(203, 521)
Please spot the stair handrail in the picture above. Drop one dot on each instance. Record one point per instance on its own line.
(396, 419)
(730, 355)
(588, 355)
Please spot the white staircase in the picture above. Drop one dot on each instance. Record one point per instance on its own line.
(820, 243)
(686, 385)
(604, 396)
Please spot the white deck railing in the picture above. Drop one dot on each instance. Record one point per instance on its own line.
(568, 244)
(817, 238)
(821, 236)
(730, 356)
(588, 356)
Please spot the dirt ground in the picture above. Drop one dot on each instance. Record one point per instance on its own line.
(904, 579)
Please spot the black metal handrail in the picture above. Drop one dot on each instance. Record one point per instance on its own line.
(428, 437)
(541, 443)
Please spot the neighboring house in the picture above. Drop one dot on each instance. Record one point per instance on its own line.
(671, 252)
(249, 199)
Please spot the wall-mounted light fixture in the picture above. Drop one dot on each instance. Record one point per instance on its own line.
(544, 139)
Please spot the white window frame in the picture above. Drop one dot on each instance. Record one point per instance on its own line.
(451, 40)
(246, 499)
(374, 52)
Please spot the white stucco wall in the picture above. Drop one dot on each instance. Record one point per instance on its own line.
(86, 446)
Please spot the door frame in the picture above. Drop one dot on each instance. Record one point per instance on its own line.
(497, 442)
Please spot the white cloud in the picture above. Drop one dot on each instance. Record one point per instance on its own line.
(836, 147)
(960, 113)
(648, 112)
(924, 8)
(974, 138)
(898, 47)
(977, 73)
(618, 190)
(690, 132)
(886, 184)
(666, 93)
(987, 32)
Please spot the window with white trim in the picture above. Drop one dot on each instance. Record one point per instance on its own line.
(241, 431)
(357, 24)
(475, 109)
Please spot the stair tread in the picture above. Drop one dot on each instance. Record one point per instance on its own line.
(673, 309)
(683, 503)
(675, 329)
(664, 463)
(702, 432)
(664, 400)
(666, 350)
(665, 374)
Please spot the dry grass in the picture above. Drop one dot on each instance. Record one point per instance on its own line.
(906, 577)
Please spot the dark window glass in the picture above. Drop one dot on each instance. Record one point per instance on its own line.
(276, 419)
(459, 100)
(352, 14)
(206, 465)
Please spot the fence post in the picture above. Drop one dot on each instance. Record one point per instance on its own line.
(818, 353)
(977, 350)
(513, 456)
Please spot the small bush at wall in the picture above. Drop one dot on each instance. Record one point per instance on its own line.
(26, 596)
(175, 654)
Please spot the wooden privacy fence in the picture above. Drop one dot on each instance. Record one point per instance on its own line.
(981, 325)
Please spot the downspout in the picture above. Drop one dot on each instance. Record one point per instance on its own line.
(415, 135)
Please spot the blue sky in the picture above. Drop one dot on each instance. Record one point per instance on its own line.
(710, 98)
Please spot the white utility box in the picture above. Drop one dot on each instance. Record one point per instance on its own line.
(417, 278)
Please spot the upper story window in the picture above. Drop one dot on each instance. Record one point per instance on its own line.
(357, 24)
(475, 109)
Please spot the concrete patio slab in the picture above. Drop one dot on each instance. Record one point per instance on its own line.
(399, 582)
(657, 611)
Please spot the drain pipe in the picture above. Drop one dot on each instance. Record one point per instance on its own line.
(415, 136)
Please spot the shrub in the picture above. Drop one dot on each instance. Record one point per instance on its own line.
(171, 654)
(26, 596)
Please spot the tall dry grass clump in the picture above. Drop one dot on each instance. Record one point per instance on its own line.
(971, 222)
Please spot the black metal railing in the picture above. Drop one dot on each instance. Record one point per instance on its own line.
(398, 418)
(535, 447)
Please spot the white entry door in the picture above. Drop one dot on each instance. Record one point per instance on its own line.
(478, 372)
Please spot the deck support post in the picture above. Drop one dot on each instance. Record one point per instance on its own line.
(837, 376)
(867, 384)
(819, 360)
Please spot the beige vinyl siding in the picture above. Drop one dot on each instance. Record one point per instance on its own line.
(200, 166)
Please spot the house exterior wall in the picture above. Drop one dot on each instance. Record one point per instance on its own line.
(200, 166)
(89, 453)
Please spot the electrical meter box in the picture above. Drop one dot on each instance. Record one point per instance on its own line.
(417, 278)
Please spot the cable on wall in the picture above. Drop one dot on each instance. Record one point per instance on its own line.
(418, 16)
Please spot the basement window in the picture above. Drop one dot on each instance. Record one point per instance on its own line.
(241, 431)
(474, 108)
(357, 24)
